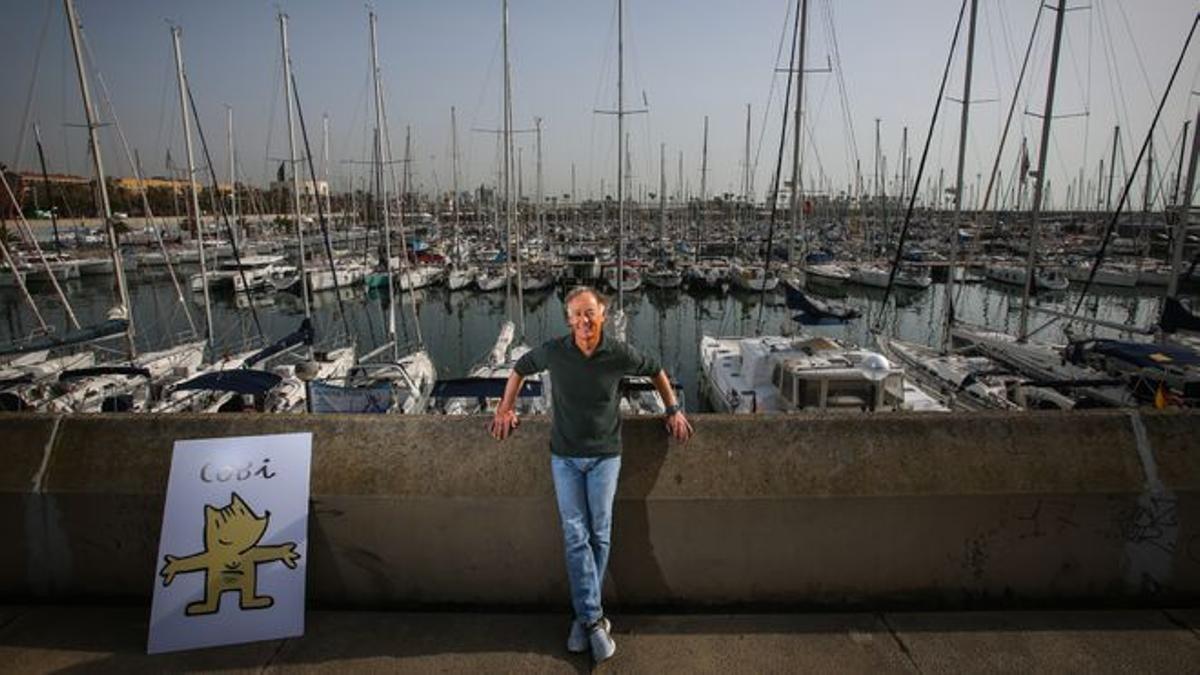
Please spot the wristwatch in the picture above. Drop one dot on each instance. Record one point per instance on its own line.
(672, 409)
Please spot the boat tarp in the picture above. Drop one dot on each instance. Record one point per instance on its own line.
(634, 384)
(238, 381)
(302, 335)
(482, 387)
(77, 373)
(24, 378)
(1144, 354)
(1175, 317)
(330, 398)
(72, 337)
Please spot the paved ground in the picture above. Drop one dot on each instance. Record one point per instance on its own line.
(106, 639)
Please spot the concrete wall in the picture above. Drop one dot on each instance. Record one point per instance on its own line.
(896, 510)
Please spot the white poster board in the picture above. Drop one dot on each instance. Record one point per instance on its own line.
(234, 546)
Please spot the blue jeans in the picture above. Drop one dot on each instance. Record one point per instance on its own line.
(585, 488)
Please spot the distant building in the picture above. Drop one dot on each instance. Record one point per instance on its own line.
(25, 183)
(177, 186)
(308, 188)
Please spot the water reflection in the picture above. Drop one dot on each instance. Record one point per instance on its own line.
(458, 328)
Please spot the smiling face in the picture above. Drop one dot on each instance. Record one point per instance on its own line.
(585, 316)
(232, 528)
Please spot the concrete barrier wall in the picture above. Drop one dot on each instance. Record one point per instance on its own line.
(897, 510)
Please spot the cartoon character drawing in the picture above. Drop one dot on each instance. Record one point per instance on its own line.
(231, 557)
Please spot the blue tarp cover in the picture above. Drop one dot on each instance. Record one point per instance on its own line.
(240, 381)
(482, 387)
(1147, 355)
(303, 334)
(102, 370)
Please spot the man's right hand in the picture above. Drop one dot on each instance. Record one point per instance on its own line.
(504, 424)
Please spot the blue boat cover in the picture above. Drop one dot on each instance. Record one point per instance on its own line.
(1146, 354)
(1176, 317)
(330, 398)
(239, 381)
(482, 387)
(77, 373)
(67, 339)
(303, 334)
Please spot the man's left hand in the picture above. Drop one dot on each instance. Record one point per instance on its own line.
(678, 426)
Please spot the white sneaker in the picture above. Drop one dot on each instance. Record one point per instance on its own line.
(577, 641)
(603, 646)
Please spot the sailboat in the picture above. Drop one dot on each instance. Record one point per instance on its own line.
(403, 382)
(966, 381)
(290, 393)
(459, 275)
(781, 374)
(114, 385)
(482, 389)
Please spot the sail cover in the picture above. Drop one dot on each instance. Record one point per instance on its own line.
(302, 335)
(482, 387)
(239, 381)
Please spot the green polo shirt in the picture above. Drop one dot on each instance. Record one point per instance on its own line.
(585, 401)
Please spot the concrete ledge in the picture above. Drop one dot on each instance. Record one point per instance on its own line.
(902, 510)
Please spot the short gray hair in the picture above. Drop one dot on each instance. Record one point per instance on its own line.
(580, 290)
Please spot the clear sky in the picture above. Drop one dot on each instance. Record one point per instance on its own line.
(684, 59)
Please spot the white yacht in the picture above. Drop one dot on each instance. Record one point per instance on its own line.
(752, 278)
(628, 279)
(775, 374)
(710, 273)
(1109, 274)
(970, 382)
(1046, 363)
(254, 272)
(1013, 274)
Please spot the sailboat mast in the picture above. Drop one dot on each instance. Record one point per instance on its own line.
(512, 253)
(383, 191)
(662, 196)
(1178, 238)
(620, 159)
(102, 188)
(194, 202)
(541, 216)
(1040, 178)
(1112, 169)
(746, 160)
(232, 174)
(291, 124)
(703, 190)
(797, 137)
(454, 258)
(325, 163)
(404, 269)
(948, 303)
(37, 135)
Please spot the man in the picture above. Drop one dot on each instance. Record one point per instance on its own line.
(585, 446)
